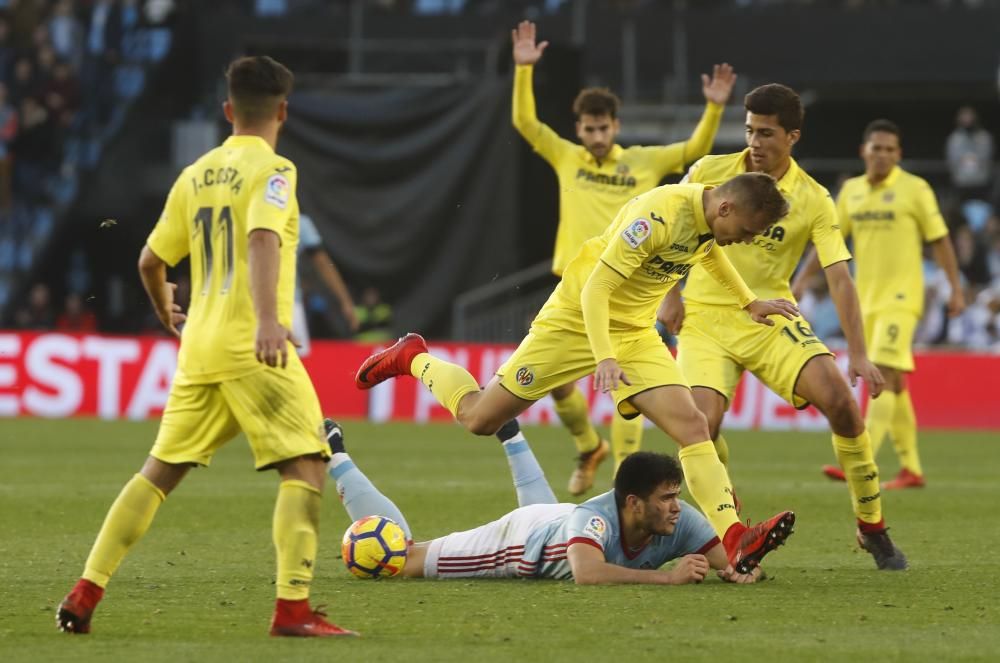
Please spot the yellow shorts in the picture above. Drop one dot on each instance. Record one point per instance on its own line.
(717, 343)
(551, 357)
(276, 408)
(889, 336)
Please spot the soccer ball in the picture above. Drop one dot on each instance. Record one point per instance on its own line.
(374, 547)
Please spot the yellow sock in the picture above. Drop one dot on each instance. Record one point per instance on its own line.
(855, 457)
(127, 520)
(296, 526)
(709, 484)
(626, 437)
(904, 433)
(722, 449)
(572, 411)
(879, 422)
(448, 383)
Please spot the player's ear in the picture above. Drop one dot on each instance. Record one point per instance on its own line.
(227, 110)
(793, 136)
(283, 110)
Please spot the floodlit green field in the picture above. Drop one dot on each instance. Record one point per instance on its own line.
(199, 586)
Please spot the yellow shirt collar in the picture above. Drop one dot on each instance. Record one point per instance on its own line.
(787, 181)
(614, 155)
(246, 140)
(889, 180)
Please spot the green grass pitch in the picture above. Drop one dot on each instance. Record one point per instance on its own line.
(199, 586)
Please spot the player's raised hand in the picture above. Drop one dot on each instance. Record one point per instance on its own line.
(718, 88)
(171, 315)
(272, 343)
(690, 569)
(607, 375)
(671, 312)
(861, 367)
(526, 51)
(759, 309)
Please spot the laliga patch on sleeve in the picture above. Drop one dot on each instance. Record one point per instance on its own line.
(637, 232)
(596, 527)
(276, 191)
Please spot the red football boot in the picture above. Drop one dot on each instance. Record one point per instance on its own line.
(834, 472)
(905, 479)
(296, 619)
(755, 542)
(75, 611)
(391, 362)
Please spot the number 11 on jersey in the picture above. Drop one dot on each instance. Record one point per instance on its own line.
(219, 243)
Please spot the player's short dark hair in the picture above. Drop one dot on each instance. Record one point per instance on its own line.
(885, 126)
(777, 99)
(596, 101)
(643, 472)
(757, 193)
(256, 85)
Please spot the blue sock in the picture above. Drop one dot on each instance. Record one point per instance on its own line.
(360, 496)
(529, 479)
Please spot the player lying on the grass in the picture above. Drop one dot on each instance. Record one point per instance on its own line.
(599, 320)
(622, 536)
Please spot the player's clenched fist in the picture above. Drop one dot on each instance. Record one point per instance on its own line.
(690, 568)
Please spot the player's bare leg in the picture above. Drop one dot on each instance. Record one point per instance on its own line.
(821, 383)
(571, 407)
(484, 412)
(127, 521)
(672, 409)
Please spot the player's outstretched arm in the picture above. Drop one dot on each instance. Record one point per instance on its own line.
(717, 91)
(590, 568)
(944, 256)
(523, 114)
(153, 272)
(845, 298)
(264, 257)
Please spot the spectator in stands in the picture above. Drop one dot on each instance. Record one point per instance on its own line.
(25, 16)
(35, 149)
(38, 312)
(24, 82)
(8, 132)
(969, 152)
(76, 317)
(61, 94)
(66, 33)
(972, 260)
(374, 317)
(102, 54)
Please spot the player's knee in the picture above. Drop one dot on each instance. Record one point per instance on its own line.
(694, 427)
(478, 424)
(843, 412)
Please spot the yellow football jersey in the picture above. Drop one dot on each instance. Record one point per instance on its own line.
(213, 206)
(591, 192)
(890, 223)
(653, 243)
(768, 263)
